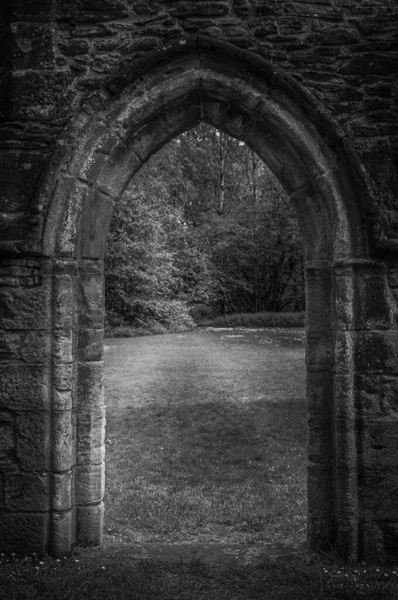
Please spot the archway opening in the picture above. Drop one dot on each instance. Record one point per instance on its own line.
(206, 430)
(107, 143)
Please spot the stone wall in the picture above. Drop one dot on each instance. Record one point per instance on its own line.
(88, 91)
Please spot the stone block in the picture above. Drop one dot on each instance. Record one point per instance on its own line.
(24, 533)
(378, 494)
(363, 298)
(377, 443)
(320, 439)
(372, 546)
(32, 432)
(33, 46)
(318, 299)
(7, 435)
(65, 219)
(90, 384)
(63, 376)
(62, 346)
(89, 523)
(117, 171)
(35, 347)
(96, 217)
(62, 440)
(320, 524)
(389, 395)
(62, 529)
(26, 307)
(376, 351)
(62, 487)
(63, 300)
(89, 484)
(19, 173)
(345, 444)
(320, 392)
(91, 436)
(90, 345)
(90, 299)
(344, 397)
(319, 352)
(30, 10)
(62, 400)
(92, 152)
(25, 387)
(35, 94)
(92, 11)
(344, 353)
(27, 492)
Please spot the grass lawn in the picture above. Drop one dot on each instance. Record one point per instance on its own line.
(122, 579)
(200, 458)
(206, 442)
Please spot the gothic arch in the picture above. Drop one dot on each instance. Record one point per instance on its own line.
(105, 144)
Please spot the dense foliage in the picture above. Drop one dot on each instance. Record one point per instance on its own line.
(204, 224)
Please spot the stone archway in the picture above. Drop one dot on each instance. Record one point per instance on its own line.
(349, 309)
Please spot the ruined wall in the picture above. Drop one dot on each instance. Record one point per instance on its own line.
(78, 80)
(342, 51)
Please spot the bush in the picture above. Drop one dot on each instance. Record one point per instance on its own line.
(261, 319)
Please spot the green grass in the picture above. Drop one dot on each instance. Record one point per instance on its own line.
(116, 577)
(260, 319)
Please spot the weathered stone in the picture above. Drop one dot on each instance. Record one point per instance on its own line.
(91, 436)
(91, 301)
(320, 440)
(97, 213)
(33, 440)
(320, 392)
(89, 520)
(321, 111)
(89, 384)
(90, 484)
(27, 492)
(26, 308)
(90, 345)
(62, 491)
(33, 45)
(63, 374)
(23, 533)
(63, 526)
(62, 440)
(25, 387)
(19, 173)
(7, 435)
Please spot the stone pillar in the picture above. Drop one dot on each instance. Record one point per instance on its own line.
(319, 360)
(366, 415)
(25, 404)
(90, 469)
(63, 522)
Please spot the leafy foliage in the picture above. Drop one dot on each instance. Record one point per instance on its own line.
(203, 223)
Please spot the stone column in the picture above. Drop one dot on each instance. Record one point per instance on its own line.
(90, 469)
(319, 360)
(63, 522)
(25, 404)
(366, 415)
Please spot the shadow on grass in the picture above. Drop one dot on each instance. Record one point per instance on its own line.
(117, 577)
(218, 470)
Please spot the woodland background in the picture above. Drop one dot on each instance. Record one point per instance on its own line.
(204, 230)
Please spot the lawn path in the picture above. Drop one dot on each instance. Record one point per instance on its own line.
(237, 365)
(206, 437)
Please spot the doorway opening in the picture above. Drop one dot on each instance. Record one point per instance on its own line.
(206, 427)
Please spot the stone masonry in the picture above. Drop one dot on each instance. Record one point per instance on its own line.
(89, 90)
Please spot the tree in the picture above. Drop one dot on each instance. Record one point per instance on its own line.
(203, 222)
